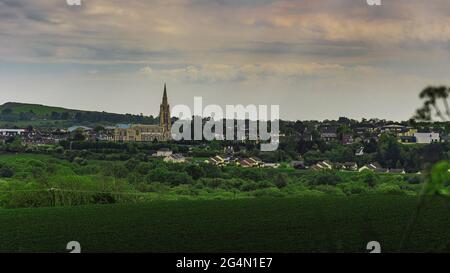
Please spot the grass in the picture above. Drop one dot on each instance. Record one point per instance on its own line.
(315, 224)
(12, 157)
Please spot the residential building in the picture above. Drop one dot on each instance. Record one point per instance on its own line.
(323, 165)
(298, 165)
(397, 171)
(163, 152)
(175, 158)
(328, 133)
(375, 167)
(360, 151)
(408, 132)
(12, 132)
(393, 128)
(216, 160)
(347, 139)
(250, 162)
(426, 138)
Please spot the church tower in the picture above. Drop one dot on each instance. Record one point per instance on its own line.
(164, 115)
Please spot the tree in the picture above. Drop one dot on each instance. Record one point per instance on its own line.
(388, 151)
(78, 135)
(195, 171)
(6, 172)
(435, 97)
(281, 180)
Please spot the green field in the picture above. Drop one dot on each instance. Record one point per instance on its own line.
(313, 224)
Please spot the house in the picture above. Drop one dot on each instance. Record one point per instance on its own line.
(445, 138)
(12, 132)
(250, 162)
(365, 128)
(407, 139)
(216, 160)
(427, 138)
(271, 165)
(81, 128)
(359, 151)
(163, 152)
(307, 136)
(375, 167)
(175, 158)
(347, 139)
(408, 132)
(323, 165)
(328, 134)
(300, 165)
(350, 166)
(393, 128)
(397, 171)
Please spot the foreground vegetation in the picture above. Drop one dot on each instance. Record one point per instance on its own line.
(307, 224)
(33, 180)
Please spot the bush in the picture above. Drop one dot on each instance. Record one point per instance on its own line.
(326, 178)
(281, 180)
(355, 187)
(332, 190)
(6, 172)
(414, 180)
(268, 192)
(80, 161)
(386, 188)
(369, 178)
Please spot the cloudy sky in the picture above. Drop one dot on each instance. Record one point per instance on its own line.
(317, 59)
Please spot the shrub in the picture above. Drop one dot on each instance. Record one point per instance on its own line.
(80, 161)
(386, 188)
(268, 192)
(326, 178)
(369, 178)
(355, 187)
(328, 189)
(281, 180)
(6, 172)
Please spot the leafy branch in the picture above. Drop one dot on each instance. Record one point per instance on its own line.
(435, 104)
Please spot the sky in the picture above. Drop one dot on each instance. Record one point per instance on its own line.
(316, 59)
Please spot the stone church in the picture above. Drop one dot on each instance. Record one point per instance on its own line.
(142, 132)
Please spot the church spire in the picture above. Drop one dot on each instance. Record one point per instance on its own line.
(164, 114)
(165, 95)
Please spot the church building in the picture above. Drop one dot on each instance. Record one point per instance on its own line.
(143, 132)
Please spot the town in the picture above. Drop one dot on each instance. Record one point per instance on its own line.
(304, 144)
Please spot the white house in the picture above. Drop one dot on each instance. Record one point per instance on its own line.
(426, 138)
(12, 132)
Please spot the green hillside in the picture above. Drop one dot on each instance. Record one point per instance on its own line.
(315, 224)
(38, 109)
(13, 114)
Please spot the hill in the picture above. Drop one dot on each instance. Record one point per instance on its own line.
(313, 224)
(14, 114)
(38, 109)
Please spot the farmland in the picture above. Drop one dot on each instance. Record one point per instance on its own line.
(310, 224)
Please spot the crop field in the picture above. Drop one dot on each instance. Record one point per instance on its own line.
(310, 224)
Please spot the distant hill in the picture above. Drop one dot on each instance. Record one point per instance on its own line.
(37, 109)
(14, 114)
